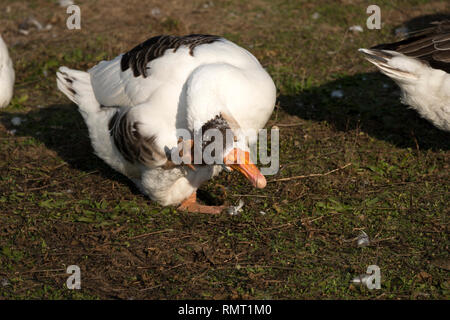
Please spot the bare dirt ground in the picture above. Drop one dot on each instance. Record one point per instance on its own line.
(61, 206)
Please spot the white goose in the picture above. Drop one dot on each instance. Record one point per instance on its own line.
(420, 65)
(7, 75)
(134, 104)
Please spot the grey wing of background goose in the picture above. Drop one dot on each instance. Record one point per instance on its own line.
(431, 45)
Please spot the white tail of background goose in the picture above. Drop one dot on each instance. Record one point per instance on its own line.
(7, 75)
(420, 65)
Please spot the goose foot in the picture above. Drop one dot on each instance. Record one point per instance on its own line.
(191, 205)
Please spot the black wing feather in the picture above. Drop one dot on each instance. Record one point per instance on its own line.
(138, 57)
(133, 146)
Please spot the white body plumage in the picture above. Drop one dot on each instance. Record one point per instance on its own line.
(184, 88)
(7, 75)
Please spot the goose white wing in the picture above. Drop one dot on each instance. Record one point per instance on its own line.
(108, 83)
(132, 78)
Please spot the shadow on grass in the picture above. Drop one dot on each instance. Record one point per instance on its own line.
(371, 103)
(61, 128)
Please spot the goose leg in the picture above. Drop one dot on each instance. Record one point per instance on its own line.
(191, 205)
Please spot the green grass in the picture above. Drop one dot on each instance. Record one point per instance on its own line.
(60, 205)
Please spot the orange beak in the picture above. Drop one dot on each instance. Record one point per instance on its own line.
(240, 160)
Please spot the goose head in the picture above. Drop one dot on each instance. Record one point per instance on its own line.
(217, 104)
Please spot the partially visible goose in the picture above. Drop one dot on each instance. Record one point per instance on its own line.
(133, 105)
(420, 65)
(6, 75)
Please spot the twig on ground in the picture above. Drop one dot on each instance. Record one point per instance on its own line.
(62, 181)
(311, 175)
(149, 234)
(289, 124)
